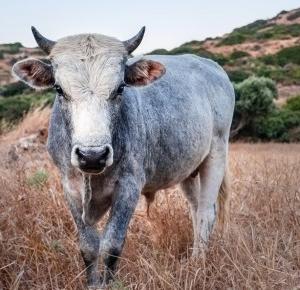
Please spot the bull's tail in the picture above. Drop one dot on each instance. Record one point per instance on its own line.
(223, 202)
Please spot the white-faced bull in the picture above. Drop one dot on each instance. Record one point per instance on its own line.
(123, 126)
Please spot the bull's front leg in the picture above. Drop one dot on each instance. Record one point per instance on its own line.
(89, 241)
(89, 238)
(111, 245)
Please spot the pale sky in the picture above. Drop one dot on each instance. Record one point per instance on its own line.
(169, 23)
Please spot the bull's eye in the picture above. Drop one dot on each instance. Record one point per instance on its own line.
(121, 89)
(59, 90)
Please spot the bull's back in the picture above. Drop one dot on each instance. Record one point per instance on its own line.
(182, 112)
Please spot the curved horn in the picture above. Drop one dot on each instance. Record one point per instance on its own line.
(132, 43)
(44, 43)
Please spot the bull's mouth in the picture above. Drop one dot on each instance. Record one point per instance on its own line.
(94, 171)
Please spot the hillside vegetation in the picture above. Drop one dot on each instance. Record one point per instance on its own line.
(269, 48)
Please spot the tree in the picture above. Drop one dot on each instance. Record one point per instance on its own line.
(254, 98)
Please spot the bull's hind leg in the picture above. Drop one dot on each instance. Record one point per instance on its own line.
(191, 189)
(202, 192)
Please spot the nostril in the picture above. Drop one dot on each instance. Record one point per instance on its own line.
(105, 153)
(79, 153)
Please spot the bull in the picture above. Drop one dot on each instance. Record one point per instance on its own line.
(121, 127)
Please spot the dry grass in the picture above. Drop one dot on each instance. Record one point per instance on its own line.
(260, 250)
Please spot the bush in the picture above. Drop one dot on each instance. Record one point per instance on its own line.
(257, 117)
(288, 55)
(182, 50)
(12, 89)
(194, 42)
(239, 54)
(13, 108)
(293, 104)
(159, 51)
(237, 76)
(254, 98)
(279, 32)
(11, 48)
(278, 125)
(269, 59)
(233, 38)
(220, 59)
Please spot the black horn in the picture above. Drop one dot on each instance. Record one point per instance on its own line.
(132, 43)
(45, 44)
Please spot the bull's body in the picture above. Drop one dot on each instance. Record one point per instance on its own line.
(165, 130)
(163, 134)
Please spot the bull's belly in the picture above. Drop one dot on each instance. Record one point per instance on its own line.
(168, 172)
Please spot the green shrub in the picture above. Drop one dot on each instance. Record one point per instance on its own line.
(288, 55)
(269, 59)
(253, 99)
(11, 48)
(293, 104)
(239, 54)
(237, 76)
(182, 50)
(278, 125)
(13, 89)
(220, 59)
(13, 108)
(254, 26)
(254, 96)
(233, 38)
(279, 32)
(159, 51)
(194, 43)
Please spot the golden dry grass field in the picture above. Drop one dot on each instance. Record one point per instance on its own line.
(259, 250)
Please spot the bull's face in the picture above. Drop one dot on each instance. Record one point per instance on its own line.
(89, 73)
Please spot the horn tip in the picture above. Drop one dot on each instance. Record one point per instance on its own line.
(33, 29)
(35, 32)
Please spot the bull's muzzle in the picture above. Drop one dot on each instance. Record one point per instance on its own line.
(92, 159)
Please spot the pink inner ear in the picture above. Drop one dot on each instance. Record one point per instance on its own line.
(34, 72)
(144, 72)
(155, 70)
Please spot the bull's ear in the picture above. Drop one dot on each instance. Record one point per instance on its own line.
(35, 73)
(143, 72)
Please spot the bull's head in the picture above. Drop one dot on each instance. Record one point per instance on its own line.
(89, 73)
